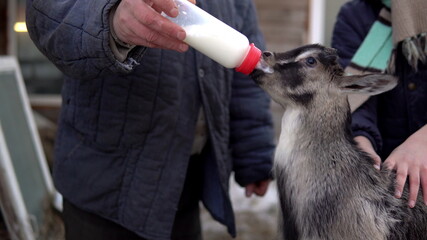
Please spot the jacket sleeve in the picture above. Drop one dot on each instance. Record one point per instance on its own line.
(75, 36)
(250, 117)
(352, 25)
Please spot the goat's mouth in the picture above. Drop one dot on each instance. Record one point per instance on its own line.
(261, 69)
(257, 75)
(264, 66)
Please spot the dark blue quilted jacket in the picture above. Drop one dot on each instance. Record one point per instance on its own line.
(126, 129)
(389, 118)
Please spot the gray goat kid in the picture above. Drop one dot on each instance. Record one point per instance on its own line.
(328, 188)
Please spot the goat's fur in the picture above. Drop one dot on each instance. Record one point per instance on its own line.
(328, 187)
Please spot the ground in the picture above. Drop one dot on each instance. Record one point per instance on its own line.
(256, 217)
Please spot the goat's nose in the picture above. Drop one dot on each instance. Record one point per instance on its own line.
(267, 54)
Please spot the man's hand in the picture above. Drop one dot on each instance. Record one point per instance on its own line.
(410, 160)
(259, 188)
(138, 22)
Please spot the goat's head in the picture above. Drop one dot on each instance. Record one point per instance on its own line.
(298, 76)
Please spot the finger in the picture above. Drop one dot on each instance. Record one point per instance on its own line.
(179, 48)
(377, 160)
(192, 1)
(150, 38)
(261, 188)
(401, 176)
(423, 179)
(164, 43)
(167, 6)
(148, 2)
(249, 190)
(389, 163)
(365, 145)
(154, 40)
(414, 185)
(148, 17)
(157, 9)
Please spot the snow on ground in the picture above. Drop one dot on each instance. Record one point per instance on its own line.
(256, 217)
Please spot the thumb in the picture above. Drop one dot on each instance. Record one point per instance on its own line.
(366, 146)
(249, 190)
(377, 160)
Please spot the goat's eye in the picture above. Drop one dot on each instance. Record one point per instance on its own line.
(311, 61)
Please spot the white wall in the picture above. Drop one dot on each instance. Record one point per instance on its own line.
(322, 15)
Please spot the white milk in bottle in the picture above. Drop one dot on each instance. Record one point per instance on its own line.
(216, 39)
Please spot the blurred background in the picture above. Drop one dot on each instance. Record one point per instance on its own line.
(286, 24)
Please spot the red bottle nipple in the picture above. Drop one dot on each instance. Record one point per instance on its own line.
(250, 61)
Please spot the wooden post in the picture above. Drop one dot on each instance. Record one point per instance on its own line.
(4, 33)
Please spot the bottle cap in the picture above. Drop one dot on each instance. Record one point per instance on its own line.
(250, 61)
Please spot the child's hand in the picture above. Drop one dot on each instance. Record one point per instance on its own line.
(410, 160)
(366, 146)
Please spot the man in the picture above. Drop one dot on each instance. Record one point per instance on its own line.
(148, 127)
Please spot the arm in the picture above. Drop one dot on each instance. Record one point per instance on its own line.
(364, 126)
(251, 124)
(251, 137)
(75, 34)
(347, 36)
(409, 158)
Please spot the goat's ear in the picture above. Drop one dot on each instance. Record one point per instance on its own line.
(370, 84)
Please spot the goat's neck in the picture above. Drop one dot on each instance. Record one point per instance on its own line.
(315, 134)
(314, 150)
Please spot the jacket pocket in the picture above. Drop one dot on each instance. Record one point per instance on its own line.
(88, 176)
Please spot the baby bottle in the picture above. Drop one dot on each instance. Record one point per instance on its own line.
(216, 39)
